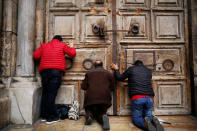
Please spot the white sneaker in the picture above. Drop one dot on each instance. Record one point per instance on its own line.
(43, 120)
(51, 121)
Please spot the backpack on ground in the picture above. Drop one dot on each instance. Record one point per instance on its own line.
(62, 111)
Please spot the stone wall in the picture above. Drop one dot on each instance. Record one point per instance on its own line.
(5, 107)
(22, 31)
(25, 96)
(8, 18)
(24, 91)
(9, 34)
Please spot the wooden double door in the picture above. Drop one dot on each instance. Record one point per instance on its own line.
(122, 31)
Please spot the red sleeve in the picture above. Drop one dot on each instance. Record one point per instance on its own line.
(37, 54)
(70, 51)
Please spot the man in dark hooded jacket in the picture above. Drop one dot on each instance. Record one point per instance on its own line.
(141, 95)
(98, 84)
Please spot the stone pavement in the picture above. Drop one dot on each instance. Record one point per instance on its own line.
(117, 123)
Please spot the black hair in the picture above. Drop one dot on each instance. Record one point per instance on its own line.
(58, 37)
(138, 62)
(98, 63)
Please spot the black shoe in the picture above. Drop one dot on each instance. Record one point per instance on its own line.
(105, 122)
(148, 125)
(157, 124)
(88, 121)
(52, 120)
(43, 118)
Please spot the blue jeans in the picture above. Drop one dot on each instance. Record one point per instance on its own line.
(141, 108)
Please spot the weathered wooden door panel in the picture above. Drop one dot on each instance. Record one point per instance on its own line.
(164, 61)
(168, 27)
(74, 20)
(168, 3)
(161, 43)
(89, 19)
(171, 97)
(64, 3)
(142, 21)
(154, 31)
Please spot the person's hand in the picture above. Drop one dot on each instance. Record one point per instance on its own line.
(114, 66)
(71, 43)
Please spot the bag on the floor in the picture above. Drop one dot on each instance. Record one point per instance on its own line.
(73, 113)
(62, 111)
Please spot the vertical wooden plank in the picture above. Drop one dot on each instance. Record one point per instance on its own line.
(192, 6)
(114, 51)
(187, 58)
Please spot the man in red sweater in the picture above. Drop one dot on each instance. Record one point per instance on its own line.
(52, 68)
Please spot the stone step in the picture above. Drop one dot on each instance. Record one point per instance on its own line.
(117, 123)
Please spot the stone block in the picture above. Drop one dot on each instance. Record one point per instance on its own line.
(25, 102)
(65, 94)
(4, 92)
(36, 104)
(4, 112)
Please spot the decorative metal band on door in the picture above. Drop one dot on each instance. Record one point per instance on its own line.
(154, 31)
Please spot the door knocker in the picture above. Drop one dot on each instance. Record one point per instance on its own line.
(97, 29)
(88, 64)
(135, 28)
(168, 65)
(70, 63)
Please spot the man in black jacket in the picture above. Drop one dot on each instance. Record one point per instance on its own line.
(141, 95)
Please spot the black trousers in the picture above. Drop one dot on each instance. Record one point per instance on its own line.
(51, 81)
(96, 111)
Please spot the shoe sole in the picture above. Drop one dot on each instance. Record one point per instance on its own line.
(88, 121)
(43, 120)
(48, 123)
(156, 122)
(105, 122)
(150, 125)
(159, 128)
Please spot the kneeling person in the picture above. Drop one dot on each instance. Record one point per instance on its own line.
(98, 84)
(141, 95)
